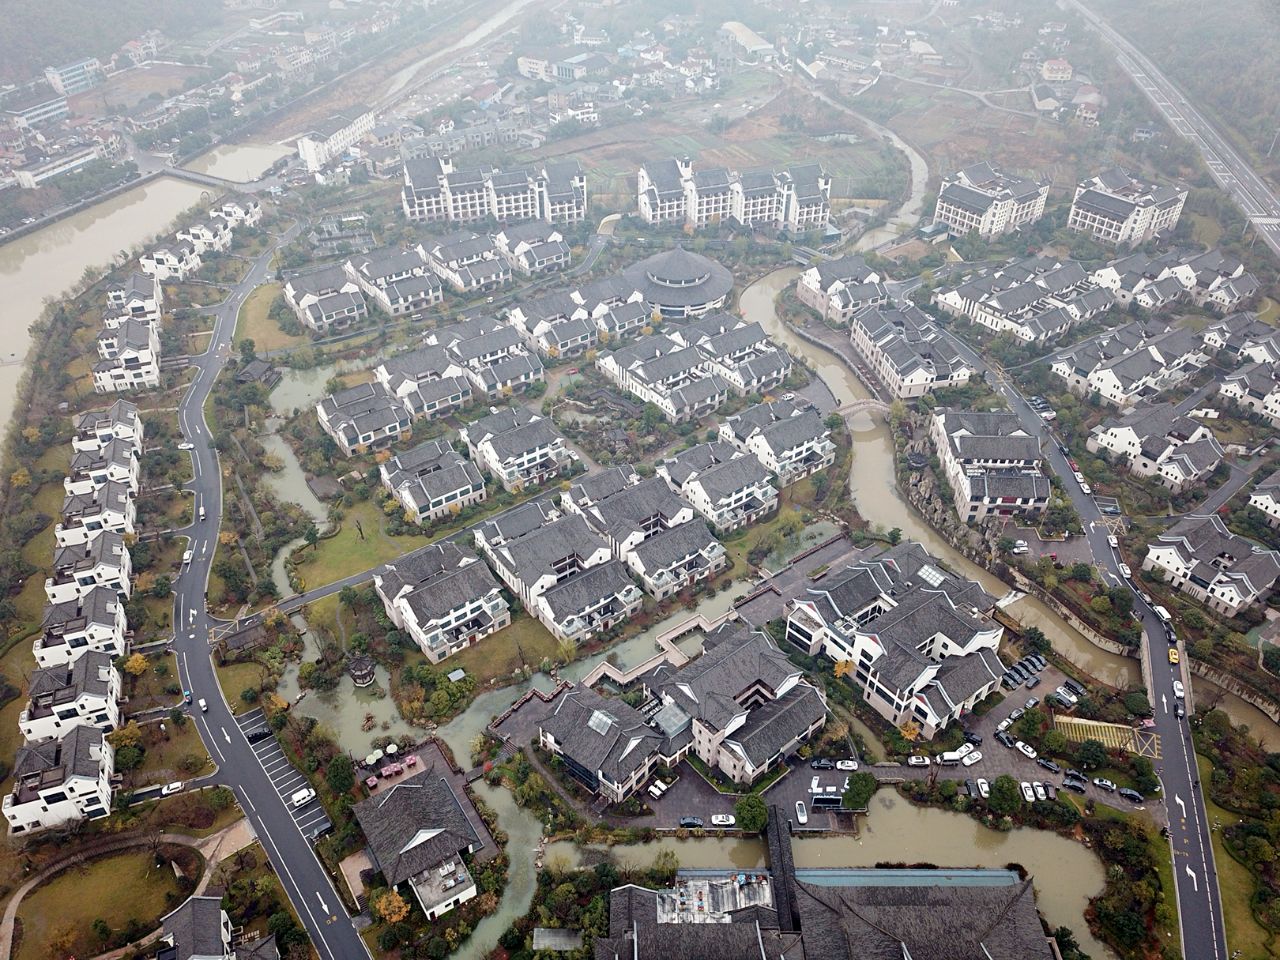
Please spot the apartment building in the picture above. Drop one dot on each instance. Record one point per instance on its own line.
(837, 289)
(434, 191)
(727, 487)
(331, 138)
(325, 299)
(797, 199)
(1116, 207)
(791, 442)
(906, 351)
(993, 465)
(984, 200)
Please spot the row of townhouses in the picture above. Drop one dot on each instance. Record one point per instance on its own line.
(1135, 361)
(797, 199)
(1155, 440)
(907, 352)
(64, 772)
(1212, 280)
(434, 191)
(1209, 563)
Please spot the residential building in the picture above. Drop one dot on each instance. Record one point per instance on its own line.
(1254, 387)
(566, 576)
(569, 322)
(56, 782)
(434, 190)
(677, 557)
(674, 378)
(1036, 299)
(243, 211)
(31, 175)
(331, 138)
(139, 297)
(97, 428)
(1116, 207)
(740, 354)
(428, 381)
(1227, 338)
(443, 597)
(517, 448)
(797, 199)
(397, 281)
(789, 441)
(906, 351)
(984, 200)
(94, 622)
(1206, 561)
(108, 506)
(729, 488)
(325, 299)
(363, 417)
(1157, 441)
(839, 288)
(36, 106)
(418, 831)
(116, 462)
(212, 237)
(77, 77)
(80, 568)
(198, 930)
(1266, 497)
(1138, 360)
(177, 261)
(468, 262)
(533, 248)
(661, 193)
(1212, 280)
(130, 357)
(432, 481)
(61, 697)
(918, 642)
(992, 464)
(634, 514)
(746, 43)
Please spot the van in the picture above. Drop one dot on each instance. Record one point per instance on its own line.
(950, 758)
(1162, 613)
(202, 513)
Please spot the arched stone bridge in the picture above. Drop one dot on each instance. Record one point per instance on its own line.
(859, 405)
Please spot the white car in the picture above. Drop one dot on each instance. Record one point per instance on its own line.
(722, 820)
(802, 815)
(1026, 750)
(964, 750)
(846, 764)
(1028, 794)
(972, 758)
(1112, 541)
(984, 788)
(1038, 787)
(1086, 489)
(788, 397)
(186, 446)
(916, 760)
(302, 797)
(1126, 572)
(171, 788)
(204, 706)
(1079, 477)
(1067, 695)
(1178, 691)
(1004, 724)
(186, 557)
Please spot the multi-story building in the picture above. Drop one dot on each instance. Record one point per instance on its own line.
(325, 299)
(797, 199)
(981, 199)
(1116, 207)
(94, 622)
(533, 248)
(97, 428)
(906, 351)
(363, 417)
(201, 930)
(1266, 497)
(729, 488)
(176, 261)
(79, 569)
(398, 281)
(789, 441)
(839, 288)
(674, 378)
(432, 481)
(1139, 359)
(468, 262)
(72, 78)
(1157, 441)
(435, 191)
(444, 597)
(427, 381)
(35, 106)
(116, 462)
(741, 354)
(212, 237)
(246, 212)
(140, 297)
(130, 358)
(1255, 387)
(518, 455)
(108, 506)
(56, 782)
(1205, 560)
(918, 641)
(331, 139)
(62, 697)
(991, 462)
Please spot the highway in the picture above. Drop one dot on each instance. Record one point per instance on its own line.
(1257, 200)
(1195, 876)
(263, 796)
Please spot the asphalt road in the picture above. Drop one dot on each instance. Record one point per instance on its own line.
(1233, 174)
(1195, 877)
(301, 875)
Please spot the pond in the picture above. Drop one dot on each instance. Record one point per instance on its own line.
(1066, 873)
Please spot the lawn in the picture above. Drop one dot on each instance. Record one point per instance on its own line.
(166, 751)
(255, 323)
(235, 677)
(1205, 229)
(1269, 310)
(1235, 886)
(116, 888)
(526, 641)
(348, 551)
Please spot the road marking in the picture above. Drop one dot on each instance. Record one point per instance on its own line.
(1192, 874)
(249, 800)
(1165, 700)
(1178, 800)
(225, 734)
(323, 906)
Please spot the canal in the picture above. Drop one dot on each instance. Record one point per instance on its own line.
(45, 264)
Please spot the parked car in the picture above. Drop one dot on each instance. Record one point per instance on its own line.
(302, 797)
(1075, 786)
(973, 738)
(1048, 764)
(972, 758)
(1180, 710)
(1016, 712)
(1126, 572)
(970, 788)
(815, 785)
(1067, 696)
(846, 764)
(1086, 489)
(691, 823)
(1113, 542)
(1003, 725)
(171, 788)
(1133, 796)
(1028, 794)
(822, 763)
(984, 788)
(1031, 704)
(1102, 783)
(1178, 691)
(1039, 661)
(1026, 750)
(1004, 738)
(722, 820)
(1032, 683)
(1075, 774)
(1173, 654)
(916, 760)
(964, 750)
(1075, 686)
(802, 815)
(1038, 787)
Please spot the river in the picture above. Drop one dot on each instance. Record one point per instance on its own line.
(1066, 873)
(239, 162)
(45, 264)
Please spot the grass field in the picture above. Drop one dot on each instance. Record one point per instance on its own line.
(163, 755)
(255, 324)
(526, 641)
(116, 888)
(234, 677)
(348, 553)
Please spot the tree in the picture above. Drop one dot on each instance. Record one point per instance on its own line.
(311, 536)
(895, 536)
(862, 786)
(1006, 796)
(1036, 640)
(1091, 754)
(341, 775)
(391, 907)
(136, 665)
(751, 813)
(248, 350)
(130, 735)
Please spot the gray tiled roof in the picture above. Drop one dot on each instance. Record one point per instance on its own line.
(196, 928)
(598, 733)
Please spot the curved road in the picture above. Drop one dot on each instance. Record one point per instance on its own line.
(304, 880)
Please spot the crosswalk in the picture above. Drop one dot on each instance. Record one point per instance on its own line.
(291, 785)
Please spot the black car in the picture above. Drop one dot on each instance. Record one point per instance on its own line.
(1075, 786)
(971, 737)
(1075, 774)
(1032, 682)
(822, 763)
(1050, 790)
(1009, 681)
(1004, 738)
(1048, 764)
(1133, 796)
(1075, 687)
(691, 822)
(1039, 661)
(1018, 673)
(970, 788)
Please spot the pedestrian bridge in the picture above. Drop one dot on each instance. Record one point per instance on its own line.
(849, 409)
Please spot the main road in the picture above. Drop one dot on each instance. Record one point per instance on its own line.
(1195, 876)
(302, 877)
(1233, 173)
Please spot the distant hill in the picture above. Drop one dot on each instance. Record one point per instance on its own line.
(37, 33)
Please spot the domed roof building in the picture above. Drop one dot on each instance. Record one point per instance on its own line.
(681, 283)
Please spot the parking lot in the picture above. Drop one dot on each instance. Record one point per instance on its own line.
(285, 778)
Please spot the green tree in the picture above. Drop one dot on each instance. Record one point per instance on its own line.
(862, 786)
(1091, 754)
(1029, 724)
(751, 813)
(248, 350)
(340, 775)
(895, 536)
(1036, 640)
(1006, 796)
